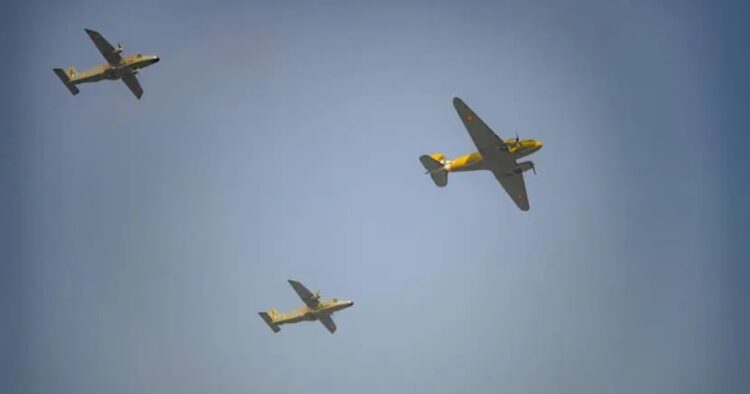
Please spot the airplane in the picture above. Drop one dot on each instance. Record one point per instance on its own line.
(314, 309)
(117, 67)
(493, 154)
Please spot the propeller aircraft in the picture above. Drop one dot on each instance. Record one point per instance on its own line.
(314, 309)
(494, 154)
(117, 67)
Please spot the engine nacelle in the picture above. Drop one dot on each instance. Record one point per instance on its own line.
(522, 167)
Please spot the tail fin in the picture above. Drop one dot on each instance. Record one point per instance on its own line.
(65, 78)
(269, 319)
(435, 169)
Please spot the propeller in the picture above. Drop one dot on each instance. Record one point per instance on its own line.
(516, 143)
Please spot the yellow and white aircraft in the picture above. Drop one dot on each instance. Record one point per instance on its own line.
(493, 154)
(314, 309)
(117, 67)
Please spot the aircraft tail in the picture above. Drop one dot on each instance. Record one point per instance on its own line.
(269, 318)
(435, 169)
(66, 77)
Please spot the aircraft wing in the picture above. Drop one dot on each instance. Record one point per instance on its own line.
(328, 322)
(107, 50)
(132, 82)
(307, 297)
(515, 187)
(495, 156)
(484, 138)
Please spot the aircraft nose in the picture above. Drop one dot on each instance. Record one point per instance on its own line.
(539, 144)
(351, 303)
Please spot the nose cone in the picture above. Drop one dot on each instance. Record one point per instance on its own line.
(538, 144)
(156, 59)
(350, 303)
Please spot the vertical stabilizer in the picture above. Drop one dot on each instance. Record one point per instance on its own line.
(435, 169)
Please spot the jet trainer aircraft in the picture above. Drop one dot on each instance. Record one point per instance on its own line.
(117, 67)
(314, 309)
(494, 154)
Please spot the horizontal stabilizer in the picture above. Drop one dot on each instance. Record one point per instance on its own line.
(269, 321)
(66, 80)
(435, 169)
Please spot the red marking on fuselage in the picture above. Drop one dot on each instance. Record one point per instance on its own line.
(470, 117)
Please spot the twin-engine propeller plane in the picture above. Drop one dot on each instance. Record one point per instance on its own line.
(117, 67)
(314, 309)
(494, 154)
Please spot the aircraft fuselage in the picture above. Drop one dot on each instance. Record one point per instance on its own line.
(304, 313)
(474, 161)
(129, 65)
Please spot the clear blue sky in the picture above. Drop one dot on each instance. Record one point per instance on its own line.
(280, 140)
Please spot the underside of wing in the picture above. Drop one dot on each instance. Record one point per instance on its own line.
(490, 146)
(107, 50)
(132, 83)
(328, 322)
(484, 138)
(307, 297)
(515, 187)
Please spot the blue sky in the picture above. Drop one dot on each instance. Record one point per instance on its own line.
(279, 141)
